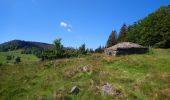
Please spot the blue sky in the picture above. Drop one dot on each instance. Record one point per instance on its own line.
(75, 21)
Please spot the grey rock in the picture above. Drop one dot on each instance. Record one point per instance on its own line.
(85, 68)
(107, 89)
(75, 90)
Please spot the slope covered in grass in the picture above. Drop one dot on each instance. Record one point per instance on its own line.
(17, 53)
(134, 76)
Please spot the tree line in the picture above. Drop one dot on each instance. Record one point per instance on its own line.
(59, 51)
(153, 30)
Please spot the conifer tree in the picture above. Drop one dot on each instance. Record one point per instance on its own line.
(82, 49)
(123, 34)
(112, 39)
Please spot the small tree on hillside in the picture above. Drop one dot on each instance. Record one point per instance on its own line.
(112, 39)
(100, 49)
(91, 50)
(17, 59)
(58, 48)
(8, 57)
(55, 52)
(82, 49)
(123, 34)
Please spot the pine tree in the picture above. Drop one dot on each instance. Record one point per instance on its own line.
(112, 39)
(100, 49)
(123, 33)
(82, 49)
(58, 48)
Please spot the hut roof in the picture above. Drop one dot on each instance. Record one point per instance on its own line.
(125, 45)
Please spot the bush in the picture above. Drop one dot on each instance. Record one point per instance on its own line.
(151, 51)
(55, 52)
(17, 59)
(82, 50)
(8, 57)
(70, 52)
(99, 49)
(58, 51)
(0, 64)
(162, 44)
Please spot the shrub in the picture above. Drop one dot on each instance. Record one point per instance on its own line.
(55, 52)
(150, 50)
(70, 52)
(8, 57)
(0, 64)
(17, 59)
(82, 50)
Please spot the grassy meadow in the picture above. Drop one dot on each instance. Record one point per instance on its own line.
(24, 57)
(136, 77)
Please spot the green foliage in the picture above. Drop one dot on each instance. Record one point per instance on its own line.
(163, 44)
(151, 51)
(153, 30)
(17, 53)
(33, 50)
(99, 49)
(58, 48)
(59, 51)
(112, 39)
(17, 59)
(70, 52)
(8, 57)
(89, 51)
(48, 54)
(123, 34)
(82, 49)
(55, 52)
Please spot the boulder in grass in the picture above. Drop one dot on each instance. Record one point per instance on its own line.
(75, 90)
(107, 89)
(85, 68)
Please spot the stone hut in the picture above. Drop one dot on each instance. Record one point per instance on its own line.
(125, 48)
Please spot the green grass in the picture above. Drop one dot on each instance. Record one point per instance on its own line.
(138, 77)
(24, 57)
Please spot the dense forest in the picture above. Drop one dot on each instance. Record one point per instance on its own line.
(153, 30)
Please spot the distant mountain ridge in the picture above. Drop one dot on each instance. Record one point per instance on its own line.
(21, 44)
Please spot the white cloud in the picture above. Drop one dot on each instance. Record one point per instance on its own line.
(63, 24)
(69, 30)
(67, 26)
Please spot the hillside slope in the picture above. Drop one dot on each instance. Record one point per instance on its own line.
(19, 44)
(133, 77)
(16, 53)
